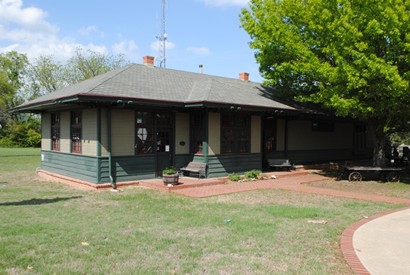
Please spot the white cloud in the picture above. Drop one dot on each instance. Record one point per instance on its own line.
(226, 2)
(157, 45)
(126, 47)
(31, 18)
(198, 50)
(90, 30)
(26, 30)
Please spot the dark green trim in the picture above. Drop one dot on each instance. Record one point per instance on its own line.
(205, 149)
(109, 147)
(99, 132)
(286, 137)
(194, 105)
(99, 143)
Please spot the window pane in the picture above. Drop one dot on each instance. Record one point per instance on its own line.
(144, 135)
(145, 118)
(145, 140)
(235, 136)
(197, 132)
(76, 128)
(55, 132)
(164, 120)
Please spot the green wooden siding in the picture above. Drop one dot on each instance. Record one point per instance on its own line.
(133, 168)
(103, 165)
(182, 160)
(71, 165)
(96, 170)
(317, 156)
(221, 165)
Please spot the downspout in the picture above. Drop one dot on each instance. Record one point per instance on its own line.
(112, 181)
(286, 137)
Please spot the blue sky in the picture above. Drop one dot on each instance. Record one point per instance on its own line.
(199, 31)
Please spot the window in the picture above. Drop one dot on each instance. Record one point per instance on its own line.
(197, 132)
(55, 132)
(270, 135)
(235, 133)
(145, 133)
(76, 132)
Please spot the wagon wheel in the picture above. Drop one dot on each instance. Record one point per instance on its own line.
(355, 176)
(393, 177)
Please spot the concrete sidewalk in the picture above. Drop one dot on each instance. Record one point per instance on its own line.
(382, 244)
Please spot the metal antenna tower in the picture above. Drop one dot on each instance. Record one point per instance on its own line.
(162, 38)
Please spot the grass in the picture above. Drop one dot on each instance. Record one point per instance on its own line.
(49, 228)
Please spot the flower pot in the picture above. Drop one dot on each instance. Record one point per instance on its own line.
(170, 179)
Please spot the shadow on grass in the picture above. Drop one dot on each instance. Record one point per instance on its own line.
(38, 201)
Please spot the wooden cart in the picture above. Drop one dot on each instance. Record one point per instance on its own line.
(357, 173)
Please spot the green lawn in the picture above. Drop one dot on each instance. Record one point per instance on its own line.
(51, 228)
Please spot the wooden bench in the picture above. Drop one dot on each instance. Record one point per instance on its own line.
(195, 168)
(280, 163)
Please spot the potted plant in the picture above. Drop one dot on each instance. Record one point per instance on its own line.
(170, 176)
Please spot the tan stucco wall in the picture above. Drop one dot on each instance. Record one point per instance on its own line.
(65, 140)
(89, 132)
(301, 136)
(46, 132)
(256, 133)
(214, 133)
(181, 133)
(123, 132)
(280, 135)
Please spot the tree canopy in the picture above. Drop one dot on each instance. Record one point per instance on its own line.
(21, 80)
(351, 56)
(47, 74)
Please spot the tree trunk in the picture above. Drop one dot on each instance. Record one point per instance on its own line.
(379, 142)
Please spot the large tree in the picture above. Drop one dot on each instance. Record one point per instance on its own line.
(86, 64)
(47, 74)
(12, 73)
(351, 56)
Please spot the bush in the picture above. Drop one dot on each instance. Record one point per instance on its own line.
(21, 134)
(234, 177)
(6, 143)
(253, 174)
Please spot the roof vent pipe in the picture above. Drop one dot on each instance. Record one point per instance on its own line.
(201, 68)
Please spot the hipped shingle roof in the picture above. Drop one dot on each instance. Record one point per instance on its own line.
(144, 83)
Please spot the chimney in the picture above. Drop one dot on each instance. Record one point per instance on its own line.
(244, 76)
(148, 60)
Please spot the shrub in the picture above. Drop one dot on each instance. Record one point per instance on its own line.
(234, 177)
(253, 174)
(169, 171)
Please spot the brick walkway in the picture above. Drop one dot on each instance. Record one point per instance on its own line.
(286, 181)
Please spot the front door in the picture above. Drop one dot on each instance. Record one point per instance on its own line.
(269, 139)
(164, 156)
(164, 141)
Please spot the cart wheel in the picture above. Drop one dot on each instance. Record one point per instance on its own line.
(355, 176)
(392, 177)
